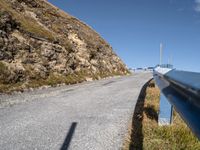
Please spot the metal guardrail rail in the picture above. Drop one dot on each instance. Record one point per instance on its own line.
(182, 90)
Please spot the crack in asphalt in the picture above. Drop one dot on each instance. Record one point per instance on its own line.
(108, 83)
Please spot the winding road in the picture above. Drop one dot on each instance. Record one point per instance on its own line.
(88, 116)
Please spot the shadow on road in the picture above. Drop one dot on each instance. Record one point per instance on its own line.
(137, 135)
(69, 136)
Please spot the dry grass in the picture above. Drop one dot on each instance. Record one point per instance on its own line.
(27, 23)
(4, 73)
(153, 137)
(53, 80)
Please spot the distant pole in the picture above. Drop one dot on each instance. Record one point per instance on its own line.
(171, 60)
(161, 51)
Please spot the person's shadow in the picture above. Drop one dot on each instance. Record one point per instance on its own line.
(69, 136)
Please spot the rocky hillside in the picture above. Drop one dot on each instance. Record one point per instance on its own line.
(42, 45)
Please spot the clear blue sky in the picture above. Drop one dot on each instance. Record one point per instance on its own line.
(135, 28)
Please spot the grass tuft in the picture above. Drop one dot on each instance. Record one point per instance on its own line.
(4, 73)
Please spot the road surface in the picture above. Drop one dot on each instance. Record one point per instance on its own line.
(89, 116)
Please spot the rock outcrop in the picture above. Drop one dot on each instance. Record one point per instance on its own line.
(40, 44)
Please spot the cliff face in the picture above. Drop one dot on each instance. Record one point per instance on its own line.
(42, 45)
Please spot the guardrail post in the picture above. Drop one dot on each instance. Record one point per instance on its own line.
(166, 111)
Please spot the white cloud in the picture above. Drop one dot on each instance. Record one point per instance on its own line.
(197, 6)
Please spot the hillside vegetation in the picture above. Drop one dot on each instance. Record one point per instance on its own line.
(42, 45)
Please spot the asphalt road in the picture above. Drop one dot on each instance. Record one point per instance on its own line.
(89, 116)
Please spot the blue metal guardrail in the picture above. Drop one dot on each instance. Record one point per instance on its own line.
(182, 90)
